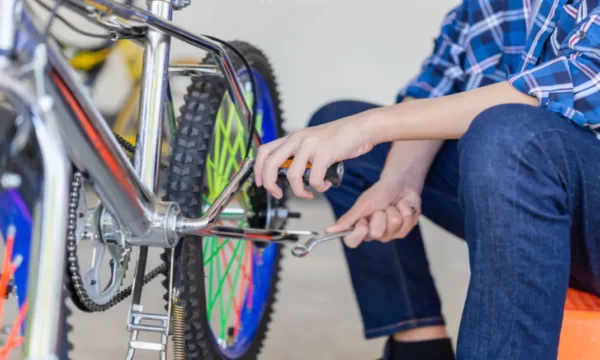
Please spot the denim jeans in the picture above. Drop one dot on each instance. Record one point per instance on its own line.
(522, 187)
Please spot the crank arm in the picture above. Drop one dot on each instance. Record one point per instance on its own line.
(302, 250)
(259, 235)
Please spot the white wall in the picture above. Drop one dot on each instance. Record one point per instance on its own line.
(320, 50)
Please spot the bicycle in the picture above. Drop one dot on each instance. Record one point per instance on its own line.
(56, 143)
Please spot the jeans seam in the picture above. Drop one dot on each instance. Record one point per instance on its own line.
(530, 141)
(533, 139)
(403, 284)
(403, 322)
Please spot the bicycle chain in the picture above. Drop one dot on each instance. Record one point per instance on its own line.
(76, 283)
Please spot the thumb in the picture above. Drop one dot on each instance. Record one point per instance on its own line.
(348, 219)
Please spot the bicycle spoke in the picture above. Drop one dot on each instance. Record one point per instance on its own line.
(216, 251)
(219, 287)
(226, 262)
(222, 278)
(231, 294)
(210, 280)
(245, 285)
(227, 127)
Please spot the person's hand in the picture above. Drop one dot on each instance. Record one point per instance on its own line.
(321, 145)
(386, 211)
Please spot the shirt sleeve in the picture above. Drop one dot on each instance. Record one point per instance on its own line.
(569, 85)
(442, 70)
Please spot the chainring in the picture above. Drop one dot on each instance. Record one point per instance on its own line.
(84, 225)
(75, 280)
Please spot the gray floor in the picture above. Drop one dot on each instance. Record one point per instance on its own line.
(316, 315)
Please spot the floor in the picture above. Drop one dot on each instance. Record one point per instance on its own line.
(316, 316)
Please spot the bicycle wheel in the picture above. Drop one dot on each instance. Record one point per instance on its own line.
(16, 203)
(226, 288)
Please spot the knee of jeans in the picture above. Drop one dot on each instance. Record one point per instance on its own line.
(328, 113)
(494, 141)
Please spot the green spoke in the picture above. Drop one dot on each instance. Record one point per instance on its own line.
(209, 174)
(215, 154)
(228, 127)
(234, 283)
(210, 280)
(222, 279)
(220, 286)
(216, 251)
(232, 292)
(228, 149)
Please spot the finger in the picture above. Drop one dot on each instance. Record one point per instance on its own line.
(410, 214)
(318, 173)
(263, 153)
(361, 229)
(295, 174)
(349, 218)
(273, 163)
(394, 222)
(377, 225)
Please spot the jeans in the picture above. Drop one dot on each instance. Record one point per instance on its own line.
(522, 187)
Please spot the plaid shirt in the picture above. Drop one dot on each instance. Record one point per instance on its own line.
(486, 41)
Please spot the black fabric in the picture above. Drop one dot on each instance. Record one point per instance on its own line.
(440, 349)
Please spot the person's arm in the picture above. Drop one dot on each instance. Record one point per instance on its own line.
(409, 161)
(566, 85)
(447, 117)
(441, 74)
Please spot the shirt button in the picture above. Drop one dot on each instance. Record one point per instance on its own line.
(581, 34)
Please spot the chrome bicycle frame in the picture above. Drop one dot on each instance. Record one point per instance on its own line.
(69, 128)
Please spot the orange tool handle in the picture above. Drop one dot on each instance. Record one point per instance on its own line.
(335, 173)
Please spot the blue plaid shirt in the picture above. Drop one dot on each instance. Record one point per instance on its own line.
(487, 41)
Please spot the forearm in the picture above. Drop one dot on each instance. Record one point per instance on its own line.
(409, 161)
(410, 157)
(441, 118)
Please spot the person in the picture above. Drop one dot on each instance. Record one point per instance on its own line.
(499, 148)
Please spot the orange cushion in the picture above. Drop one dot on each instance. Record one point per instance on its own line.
(580, 336)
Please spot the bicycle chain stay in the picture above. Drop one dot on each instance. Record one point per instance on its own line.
(76, 287)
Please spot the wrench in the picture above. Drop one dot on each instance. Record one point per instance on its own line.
(302, 250)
